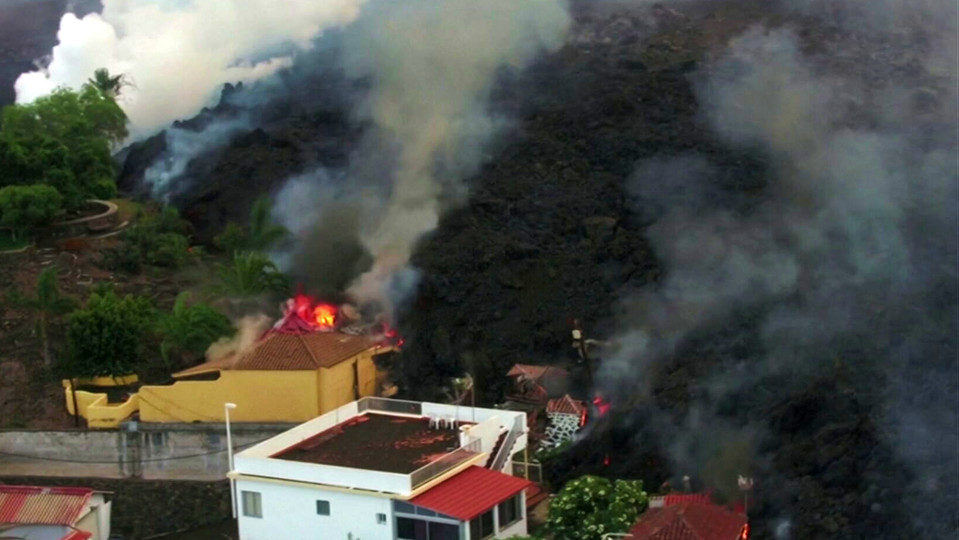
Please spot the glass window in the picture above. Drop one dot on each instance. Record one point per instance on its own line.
(482, 526)
(406, 508)
(252, 506)
(425, 512)
(444, 531)
(380, 519)
(509, 512)
(322, 508)
(411, 529)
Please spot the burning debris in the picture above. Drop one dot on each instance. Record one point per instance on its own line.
(304, 314)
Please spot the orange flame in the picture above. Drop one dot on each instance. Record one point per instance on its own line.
(324, 315)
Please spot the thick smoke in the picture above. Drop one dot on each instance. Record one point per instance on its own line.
(177, 54)
(429, 66)
(850, 249)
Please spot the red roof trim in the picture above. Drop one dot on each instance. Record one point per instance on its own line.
(78, 535)
(42, 505)
(470, 493)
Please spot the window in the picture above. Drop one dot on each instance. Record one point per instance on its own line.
(322, 508)
(252, 506)
(482, 526)
(509, 512)
(404, 507)
(380, 519)
(444, 531)
(411, 529)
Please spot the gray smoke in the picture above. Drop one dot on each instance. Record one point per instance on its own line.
(853, 237)
(431, 65)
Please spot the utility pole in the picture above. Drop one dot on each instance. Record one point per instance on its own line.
(579, 343)
(229, 454)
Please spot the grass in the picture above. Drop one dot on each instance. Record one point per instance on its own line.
(126, 208)
(7, 243)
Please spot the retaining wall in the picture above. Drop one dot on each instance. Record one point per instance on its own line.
(184, 452)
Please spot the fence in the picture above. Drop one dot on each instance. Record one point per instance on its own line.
(456, 457)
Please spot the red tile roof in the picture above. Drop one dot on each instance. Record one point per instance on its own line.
(689, 521)
(565, 405)
(78, 535)
(681, 498)
(42, 505)
(291, 352)
(471, 492)
(536, 372)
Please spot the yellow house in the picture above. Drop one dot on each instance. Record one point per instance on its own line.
(284, 377)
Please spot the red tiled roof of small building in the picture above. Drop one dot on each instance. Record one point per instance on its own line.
(471, 492)
(565, 405)
(535, 373)
(42, 505)
(689, 521)
(291, 352)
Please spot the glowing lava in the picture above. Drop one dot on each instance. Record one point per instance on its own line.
(324, 316)
(602, 406)
(392, 337)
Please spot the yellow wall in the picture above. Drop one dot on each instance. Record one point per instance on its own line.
(260, 396)
(336, 383)
(97, 410)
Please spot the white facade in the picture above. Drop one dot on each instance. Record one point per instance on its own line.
(280, 499)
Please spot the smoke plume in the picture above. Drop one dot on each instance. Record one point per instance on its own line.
(847, 255)
(177, 54)
(248, 330)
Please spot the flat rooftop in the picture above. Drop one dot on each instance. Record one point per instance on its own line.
(378, 442)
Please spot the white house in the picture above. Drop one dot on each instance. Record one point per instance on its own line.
(383, 469)
(53, 513)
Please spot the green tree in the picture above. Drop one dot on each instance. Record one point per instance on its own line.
(190, 329)
(48, 304)
(589, 507)
(232, 238)
(107, 335)
(250, 273)
(157, 239)
(63, 140)
(263, 233)
(106, 84)
(24, 207)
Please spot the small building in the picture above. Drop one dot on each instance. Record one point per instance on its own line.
(690, 521)
(53, 513)
(382, 469)
(536, 384)
(566, 416)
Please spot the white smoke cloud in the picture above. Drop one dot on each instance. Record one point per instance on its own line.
(178, 53)
(432, 64)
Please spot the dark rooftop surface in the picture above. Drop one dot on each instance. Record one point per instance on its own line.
(376, 442)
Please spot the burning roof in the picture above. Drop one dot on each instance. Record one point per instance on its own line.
(310, 335)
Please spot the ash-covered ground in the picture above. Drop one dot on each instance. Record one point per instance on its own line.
(753, 202)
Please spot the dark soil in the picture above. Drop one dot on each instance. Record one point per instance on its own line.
(377, 442)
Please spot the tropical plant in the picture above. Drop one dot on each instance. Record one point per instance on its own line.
(63, 140)
(24, 207)
(190, 329)
(157, 239)
(106, 84)
(250, 273)
(48, 304)
(260, 234)
(107, 335)
(589, 507)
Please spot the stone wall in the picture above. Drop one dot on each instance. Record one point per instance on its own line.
(144, 508)
(186, 452)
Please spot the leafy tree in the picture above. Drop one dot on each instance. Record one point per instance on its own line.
(62, 140)
(589, 507)
(190, 329)
(157, 239)
(106, 84)
(107, 335)
(259, 235)
(263, 232)
(48, 304)
(25, 207)
(251, 273)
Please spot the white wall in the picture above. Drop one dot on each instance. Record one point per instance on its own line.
(518, 528)
(289, 512)
(37, 532)
(486, 431)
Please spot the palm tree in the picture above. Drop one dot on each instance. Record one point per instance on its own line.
(190, 329)
(263, 233)
(250, 274)
(108, 85)
(48, 304)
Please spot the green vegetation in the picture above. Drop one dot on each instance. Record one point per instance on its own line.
(106, 84)
(259, 235)
(589, 507)
(251, 273)
(47, 303)
(158, 239)
(9, 243)
(24, 207)
(107, 335)
(188, 330)
(63, 140)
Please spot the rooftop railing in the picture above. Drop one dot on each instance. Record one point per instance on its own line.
(395, 406)
(439, 466)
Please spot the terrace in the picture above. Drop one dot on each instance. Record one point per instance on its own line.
(385, 445)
